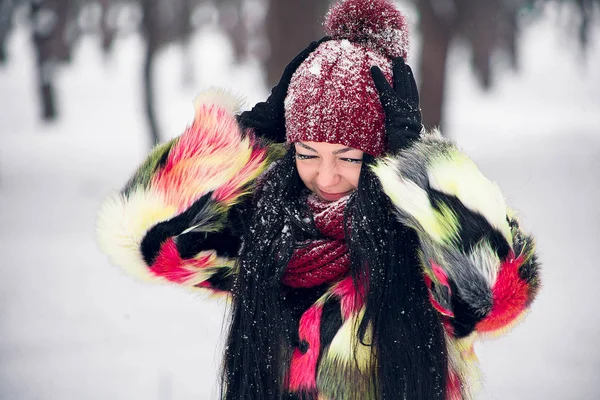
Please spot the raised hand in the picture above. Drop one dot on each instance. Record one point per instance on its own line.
(400, 104)
(268, 118)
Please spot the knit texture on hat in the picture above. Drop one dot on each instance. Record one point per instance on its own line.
(332, 97)
(374, 23)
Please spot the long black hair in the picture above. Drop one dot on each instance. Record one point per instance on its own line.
(407, 335)
(410, 355)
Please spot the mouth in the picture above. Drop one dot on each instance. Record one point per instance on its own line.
(332, 196)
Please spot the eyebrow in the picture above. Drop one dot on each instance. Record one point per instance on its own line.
(344, 150)
(307, 147)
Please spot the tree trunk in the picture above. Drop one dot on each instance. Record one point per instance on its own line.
(231, 19)
(151, 24)
(7, 8)
(291, 26)
(49, 21)
(480, 23)
(107, 25)
(149, 95)
(436, 33)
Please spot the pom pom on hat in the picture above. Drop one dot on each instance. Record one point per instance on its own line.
(376, 23)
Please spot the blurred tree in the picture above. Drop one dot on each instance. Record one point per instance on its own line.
(232, 20)
(169, 21)
(291, 25)
(588, 10)
(287, 26)
(108, 24)
(7, 8)
(486, 27)
(49, 20)
(163, 22)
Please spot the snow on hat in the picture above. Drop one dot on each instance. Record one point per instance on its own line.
(332, 97)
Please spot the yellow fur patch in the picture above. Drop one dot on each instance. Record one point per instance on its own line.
(410, 198)
(457, 175)
(346, 349)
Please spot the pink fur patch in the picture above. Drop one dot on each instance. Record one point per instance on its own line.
(303, 368)
(442, 278)
(453, 386)
(441, 309)
(208, 148)
(439, 273)
(351, 298)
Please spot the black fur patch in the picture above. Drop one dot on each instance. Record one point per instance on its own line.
(221, 280)
(529, 270)
(301, 396)
(331, 322)
(159, 233)
(465, 316)
(303, 346)
(473, 227)
(297, 301)
(153, 240)
(224, 243)
(163, 160)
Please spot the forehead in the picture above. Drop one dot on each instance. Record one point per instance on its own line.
(323, 147)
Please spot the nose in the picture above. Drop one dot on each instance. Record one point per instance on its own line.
(328, 176)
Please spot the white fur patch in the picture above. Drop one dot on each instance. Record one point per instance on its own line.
(220, 97)
(121, 226)
(487, 262)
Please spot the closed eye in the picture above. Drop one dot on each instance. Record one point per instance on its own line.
(304, 156)
(352, 160)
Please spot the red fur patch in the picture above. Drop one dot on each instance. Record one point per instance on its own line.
(441, 309)
(510, 294)
(170, 266)
(303, 368)
(443, 280)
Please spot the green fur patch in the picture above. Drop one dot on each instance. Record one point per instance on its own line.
(143, 175)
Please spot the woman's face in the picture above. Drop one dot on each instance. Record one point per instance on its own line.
(330, 171)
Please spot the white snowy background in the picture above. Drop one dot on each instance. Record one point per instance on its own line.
(72, 326)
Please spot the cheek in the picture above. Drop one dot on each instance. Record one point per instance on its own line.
(352, 176)
(306, 174)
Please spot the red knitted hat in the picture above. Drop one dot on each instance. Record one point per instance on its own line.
(332, 97)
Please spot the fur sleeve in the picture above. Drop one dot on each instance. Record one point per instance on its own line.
(480, 268)
(173, 220)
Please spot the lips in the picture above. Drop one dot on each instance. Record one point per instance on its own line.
(332, 196)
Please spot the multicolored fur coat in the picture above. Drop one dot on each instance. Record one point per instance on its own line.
(479, 267)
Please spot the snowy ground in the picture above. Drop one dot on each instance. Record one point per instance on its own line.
(74, 327)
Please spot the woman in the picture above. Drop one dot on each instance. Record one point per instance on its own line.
(363, 257)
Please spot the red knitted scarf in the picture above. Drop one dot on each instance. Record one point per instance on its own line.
(322, 260)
